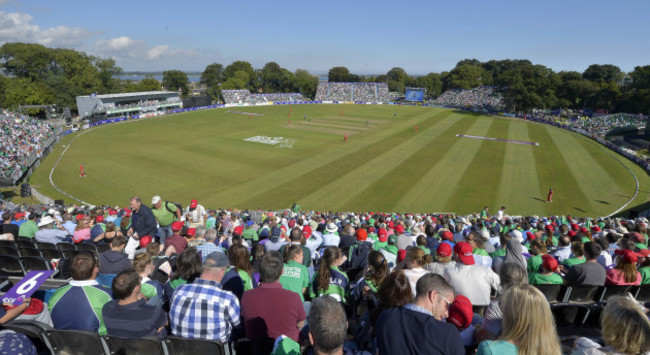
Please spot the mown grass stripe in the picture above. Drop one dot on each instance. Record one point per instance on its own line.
(474, 183)
(445, 167)
(558, 172)
(347, 191)
(293, 189)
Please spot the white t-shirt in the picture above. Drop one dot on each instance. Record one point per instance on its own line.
(414, 275)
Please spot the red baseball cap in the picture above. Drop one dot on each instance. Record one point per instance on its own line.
(444, 250)
(390, 224)
(194, 203)
(571, 233)
(575, 227)
(177, 225)
(584, 230)
(238, 230)
(99, 219)
(306, 231)
(549, 263)
(191, 232)
(465, 253)
(361, 234)
(399, 229)
(292, 223)
(19, 215)
(144, 241)
(549, 228)
(401, 254)
(530, 236)
(371, 229)
(638, 237)
(628, 255)
(643, 253)
(595, 229)
(460, 312)
(79, 217)
(382, 234)
(447, 235)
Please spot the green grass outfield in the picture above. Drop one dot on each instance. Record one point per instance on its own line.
(384, 166)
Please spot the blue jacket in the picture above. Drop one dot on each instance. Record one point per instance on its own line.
(143, 222)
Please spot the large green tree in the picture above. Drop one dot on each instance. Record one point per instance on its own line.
(306, 83)
(175, 80)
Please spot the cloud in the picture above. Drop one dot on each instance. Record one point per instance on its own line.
(118, 44)
(161, 51)
(18, 27)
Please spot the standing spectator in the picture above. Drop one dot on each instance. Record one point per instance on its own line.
(202, 309)
(165, 213)
(143, 221)
(472, 281)
(395, 326)
(196, 214)
(528, 326)
(129, 315)
(285, 317)
(115, 260)
(625, 272)
(78, 306)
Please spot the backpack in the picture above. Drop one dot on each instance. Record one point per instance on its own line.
(178, 205)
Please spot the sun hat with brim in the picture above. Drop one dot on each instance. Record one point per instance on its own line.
(45, 221)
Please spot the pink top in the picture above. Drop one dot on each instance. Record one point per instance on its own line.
(82, 234)
(616, 277)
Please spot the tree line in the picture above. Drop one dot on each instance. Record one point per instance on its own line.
(34, 74)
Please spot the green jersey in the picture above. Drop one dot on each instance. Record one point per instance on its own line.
(295, 277)
(498, 253)
(164, 216)
(250, 234)
(535, 278)
(246, 279)
(645, 275)
(573, 261)
(534, 263)
(27, 229)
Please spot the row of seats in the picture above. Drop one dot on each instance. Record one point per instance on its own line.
(72, 342)
(592, 294)
(26, 243)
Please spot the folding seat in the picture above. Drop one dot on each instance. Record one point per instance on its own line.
(71, 342)
(28, 251)
(553, 293)
(35, 263)
(177, 345)
(42, 246)
(6, 250)
(612, 290)
(10, 266)
(121, 346)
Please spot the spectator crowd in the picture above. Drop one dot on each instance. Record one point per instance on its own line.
(387, 283)
(357, 92)
(245, 97)
(484, 97)
(20, 139)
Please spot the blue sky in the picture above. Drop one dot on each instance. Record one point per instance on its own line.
(365, 36)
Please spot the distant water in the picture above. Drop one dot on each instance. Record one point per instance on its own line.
(192, 78)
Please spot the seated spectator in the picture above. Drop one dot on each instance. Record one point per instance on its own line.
(176, 240)
(328, 327)
(329, 279)
(589, 273)
(510, 274)
(129, 315)
(241, 262)
(109, 234)
(29, 228)
(395, 326)
(414, 260)
(389, 250)
(625, 330)
(368, 286)
(394, 291)
(538, 249)
(476, 240)
(201, 309)
(269, 310)
(7, 227)
(295, 276)
(188, 268)
(528, 325)
(514, 252)
(32, 309)
(443, 260)
(296, 237)
(151, 289)
(472, 281)
(209, 246)
(578, 252)
(82, 230)
(462, 316)
(78, 306)
(115, 260)
(548, 275)
(563, 250)
(625, 272)
(47, 233)
(275, 241)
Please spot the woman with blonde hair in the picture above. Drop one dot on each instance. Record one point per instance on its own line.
(415, 260)
(528, 325)
(625, 330)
